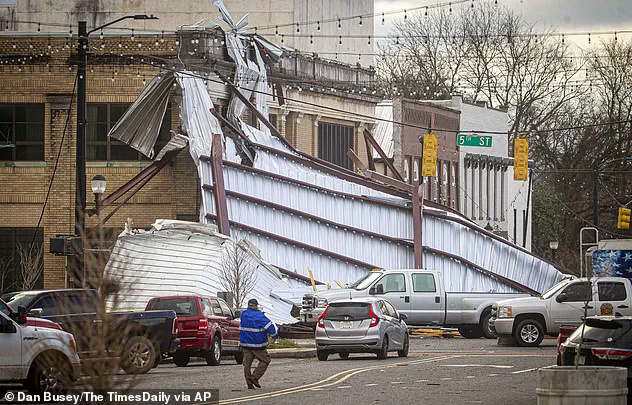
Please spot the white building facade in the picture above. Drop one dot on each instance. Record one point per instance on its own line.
(488, 194)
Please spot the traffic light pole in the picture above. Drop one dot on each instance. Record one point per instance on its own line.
(596, 198)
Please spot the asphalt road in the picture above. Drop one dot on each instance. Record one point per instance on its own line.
(452, 371)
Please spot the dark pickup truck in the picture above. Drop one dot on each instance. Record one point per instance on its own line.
(139, 339)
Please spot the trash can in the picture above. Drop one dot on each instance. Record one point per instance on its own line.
(584, 385)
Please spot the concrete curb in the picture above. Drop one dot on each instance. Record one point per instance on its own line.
(292, 353)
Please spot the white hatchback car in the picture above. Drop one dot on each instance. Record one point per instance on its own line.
(362, 325)
(44, 359)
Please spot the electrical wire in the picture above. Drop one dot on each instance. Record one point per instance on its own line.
(52, 178)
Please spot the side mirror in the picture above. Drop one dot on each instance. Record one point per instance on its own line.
(36, 312)
(403, 317)
(376, 289)
(562, 297)
(21, 318)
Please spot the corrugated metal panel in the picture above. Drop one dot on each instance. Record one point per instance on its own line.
(442, 234)
(383, 132)
(183, 261)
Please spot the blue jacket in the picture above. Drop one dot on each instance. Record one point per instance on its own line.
(254, 329)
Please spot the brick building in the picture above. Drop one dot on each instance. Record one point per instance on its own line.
(38, 124)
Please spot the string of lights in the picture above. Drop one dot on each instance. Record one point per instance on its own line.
(361, 17)
(164, 61)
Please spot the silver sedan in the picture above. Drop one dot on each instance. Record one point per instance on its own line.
(362, 325)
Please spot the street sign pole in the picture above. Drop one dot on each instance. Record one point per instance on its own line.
(418, 198)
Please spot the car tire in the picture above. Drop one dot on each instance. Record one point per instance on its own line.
(383, 353)
(49, 373)
(404, 351)
(322, 355)
(485, 327)
(214, 355)
(343, 356)
(529, 333)
(239, 357)
(139, 355)
(181, 359)
(471, 332)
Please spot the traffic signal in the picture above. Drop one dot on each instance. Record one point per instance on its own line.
(429, 158)
(624, 218)
(521, 159)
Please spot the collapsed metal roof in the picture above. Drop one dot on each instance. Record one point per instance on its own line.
(304, 213)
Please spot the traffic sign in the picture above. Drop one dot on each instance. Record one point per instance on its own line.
(474, 140)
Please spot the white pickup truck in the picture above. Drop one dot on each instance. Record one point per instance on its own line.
(44, 359)
(420, 295)
(527, 320)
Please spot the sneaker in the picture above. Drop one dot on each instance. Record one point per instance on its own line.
(256, 383)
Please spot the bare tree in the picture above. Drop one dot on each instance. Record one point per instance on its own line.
(31, 266)
(486, 53)
(5, 265)
(237, 272)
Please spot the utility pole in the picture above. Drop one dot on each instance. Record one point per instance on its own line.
(80, 157)
(596, 198)
(78, 269)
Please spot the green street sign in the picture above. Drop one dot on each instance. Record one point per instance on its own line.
(474, 140)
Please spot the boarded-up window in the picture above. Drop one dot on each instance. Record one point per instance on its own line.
(333, 143)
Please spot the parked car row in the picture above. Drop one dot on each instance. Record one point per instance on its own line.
(56, 336)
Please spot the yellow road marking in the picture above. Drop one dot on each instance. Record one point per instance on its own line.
(344, 375)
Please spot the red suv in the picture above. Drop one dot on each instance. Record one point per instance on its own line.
(205, 326)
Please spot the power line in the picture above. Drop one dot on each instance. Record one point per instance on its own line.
(52, 179)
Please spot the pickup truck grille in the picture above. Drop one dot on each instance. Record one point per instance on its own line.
(308, 302)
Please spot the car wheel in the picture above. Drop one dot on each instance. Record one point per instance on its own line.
(181, 359)
(322, 355)
(529, 333)
(139, 356)
(214, 356)
(239, 357)
(383, 353)
(343, 356)
(49, 373)
(470, 332)
(488, 333)
(404, 351)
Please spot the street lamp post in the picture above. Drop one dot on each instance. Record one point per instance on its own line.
(554, 244)
(80, 159)
(98, 188)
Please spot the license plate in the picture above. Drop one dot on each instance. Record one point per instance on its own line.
(346, 325)
(581, 360)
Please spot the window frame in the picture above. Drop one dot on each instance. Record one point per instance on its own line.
(11, 137)
(412, 281)
(381, 281)
(609, 289)
(335, 132)
(573, 285)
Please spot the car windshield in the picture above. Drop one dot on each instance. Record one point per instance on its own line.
(181, 306)
(551, 291)
(365, 281)
(348, 311)
(600, 331)
(21, 300)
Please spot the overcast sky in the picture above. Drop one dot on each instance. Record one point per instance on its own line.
(565, 15)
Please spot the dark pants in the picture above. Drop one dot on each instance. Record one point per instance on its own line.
(264, 360)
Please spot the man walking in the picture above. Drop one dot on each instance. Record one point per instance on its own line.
(253, 339)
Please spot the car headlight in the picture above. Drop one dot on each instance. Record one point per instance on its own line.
(504, 312)
(322, 302)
